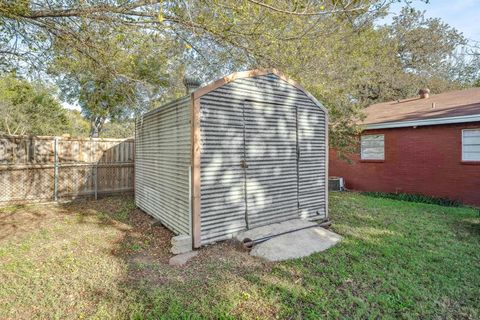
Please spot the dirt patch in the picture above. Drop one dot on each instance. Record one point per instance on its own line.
(146, 249)
(17, 222)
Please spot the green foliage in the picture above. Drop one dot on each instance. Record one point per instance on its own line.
(424, 45)
(419, 198)
(78, 125)
(118, 129)
(427, 53)
(118, 79)
(115, 62)
(344, 60)
(29, 108)
(12, 9)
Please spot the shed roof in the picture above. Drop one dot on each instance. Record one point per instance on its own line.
(243, 74)
(253, 73)
(448, 107)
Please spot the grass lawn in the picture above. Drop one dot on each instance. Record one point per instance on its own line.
(102, 259)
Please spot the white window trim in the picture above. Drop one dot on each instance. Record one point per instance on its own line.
(463, 153)
(362, 157)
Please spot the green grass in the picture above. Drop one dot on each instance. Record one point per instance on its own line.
(103, 260)
(420, 198)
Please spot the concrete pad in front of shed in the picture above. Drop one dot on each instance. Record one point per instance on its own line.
(181, 259)
(296, 244)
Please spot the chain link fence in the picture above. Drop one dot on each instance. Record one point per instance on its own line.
(36, 169)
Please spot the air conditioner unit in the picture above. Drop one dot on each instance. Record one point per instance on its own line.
(336, 184)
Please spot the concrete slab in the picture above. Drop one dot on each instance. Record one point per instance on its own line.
(181, 240)
(274, 228)
(180, 249)
(292, 245)
(181, 244)
(181, 259)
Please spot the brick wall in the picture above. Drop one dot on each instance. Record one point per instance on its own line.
(425, 160)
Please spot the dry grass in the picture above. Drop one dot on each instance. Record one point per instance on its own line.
(103, 259)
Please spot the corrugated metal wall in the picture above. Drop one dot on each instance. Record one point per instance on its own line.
(162, 164)
(255, 119)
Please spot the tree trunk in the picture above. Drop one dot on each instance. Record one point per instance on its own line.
(96, 126)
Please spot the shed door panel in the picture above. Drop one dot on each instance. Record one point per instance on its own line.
(311, 163)
(271, 157)
(222, 194)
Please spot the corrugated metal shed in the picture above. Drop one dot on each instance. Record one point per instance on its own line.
(257, 155)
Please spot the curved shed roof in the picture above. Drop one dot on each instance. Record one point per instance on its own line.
(253, 73)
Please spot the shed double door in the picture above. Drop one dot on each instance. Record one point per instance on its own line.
(270, 163)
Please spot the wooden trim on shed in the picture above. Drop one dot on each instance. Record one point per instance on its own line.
(195, 185)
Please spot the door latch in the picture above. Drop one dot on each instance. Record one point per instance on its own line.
(243, 164)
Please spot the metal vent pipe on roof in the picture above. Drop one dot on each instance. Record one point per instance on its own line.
(191, 84)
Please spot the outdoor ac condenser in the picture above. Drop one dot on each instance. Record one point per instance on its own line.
(336, 184)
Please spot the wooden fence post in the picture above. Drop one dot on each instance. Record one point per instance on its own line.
(95, 168)
(55, 169)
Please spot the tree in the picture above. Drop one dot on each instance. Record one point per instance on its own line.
(116, 129)
(119, 77)
(29, 29)
(78, 126)
(100, 50)
(424, 46)
(217, 37)
(428, 52)
(28, 108)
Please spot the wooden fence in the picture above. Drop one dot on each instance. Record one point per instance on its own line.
(34, 168)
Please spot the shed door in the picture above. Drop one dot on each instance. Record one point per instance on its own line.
(311, 162)
(271, 182)
(223, 179)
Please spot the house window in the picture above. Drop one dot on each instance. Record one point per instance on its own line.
(373, 147)
(471, 145)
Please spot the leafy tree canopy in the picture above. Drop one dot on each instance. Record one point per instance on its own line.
(115, 56)
(118, 129)
(28, 108)
(79, 126)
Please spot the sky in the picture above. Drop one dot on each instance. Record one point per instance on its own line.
(463, 15)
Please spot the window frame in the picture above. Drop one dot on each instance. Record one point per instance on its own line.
(382, 159)
(462, 147)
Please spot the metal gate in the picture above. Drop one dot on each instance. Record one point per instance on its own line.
(270, 163)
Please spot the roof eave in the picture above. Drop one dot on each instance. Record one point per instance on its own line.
(422, 122)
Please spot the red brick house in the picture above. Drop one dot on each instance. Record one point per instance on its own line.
(426, 145)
